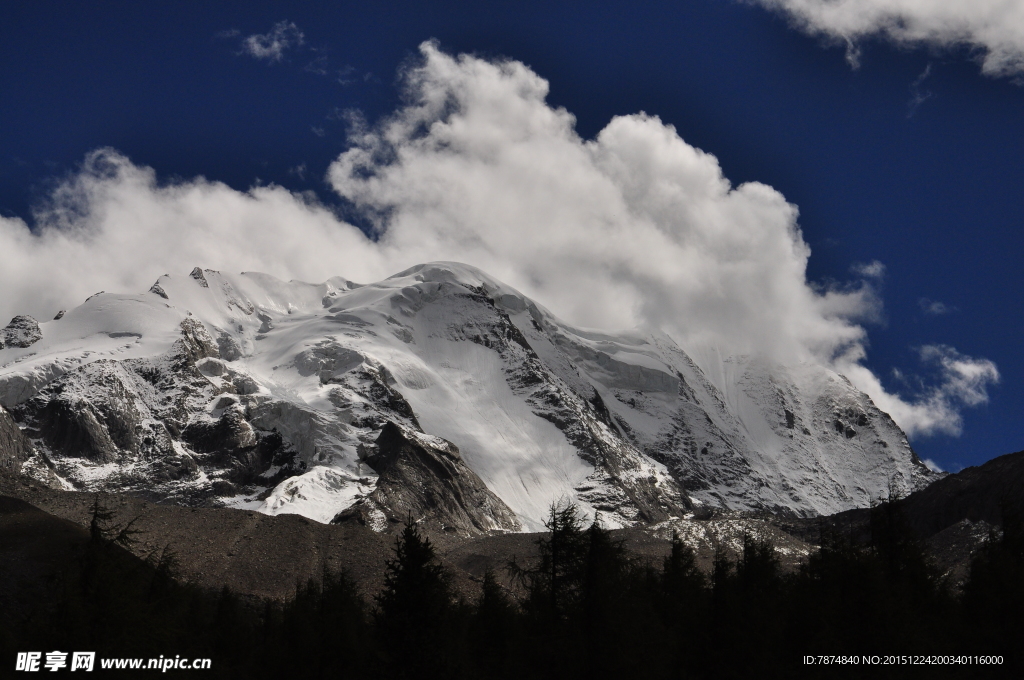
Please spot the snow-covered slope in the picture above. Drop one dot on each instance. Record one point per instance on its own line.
(249, 391)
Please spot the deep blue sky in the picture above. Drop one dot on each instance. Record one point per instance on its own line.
(934, 192)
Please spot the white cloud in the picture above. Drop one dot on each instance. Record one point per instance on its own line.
(272, 46)
(966, 379)
(932, 465)
(992, 29)
(935, 308)
(113, 227)
(870, 270)
(918, 95)
(634, 227)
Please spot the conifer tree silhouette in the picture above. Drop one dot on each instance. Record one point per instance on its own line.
(416, 613)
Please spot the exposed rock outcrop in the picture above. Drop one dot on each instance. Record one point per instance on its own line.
(195, 343)
(22, 331)
(425, 477)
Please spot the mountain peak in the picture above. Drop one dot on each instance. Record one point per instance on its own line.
(253, 392)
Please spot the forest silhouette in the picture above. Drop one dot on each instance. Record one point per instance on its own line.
(584, 608)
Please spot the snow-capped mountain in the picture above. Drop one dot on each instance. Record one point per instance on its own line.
(438, 391)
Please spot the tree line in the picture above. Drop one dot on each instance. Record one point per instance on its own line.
(585, 608)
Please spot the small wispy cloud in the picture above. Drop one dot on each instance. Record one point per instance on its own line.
(852, 54)
(868, 270)
(318, 66)
(271, 46)
(317, 130)
(355, 123)
(966, 379)
(935, 308)
(918, 95)
(347, 75)
(932, 465)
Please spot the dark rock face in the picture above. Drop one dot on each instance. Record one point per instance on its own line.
(233, 443)
(22, 331)
(230, 432)
(385, 396)
(15, 448)
(198, 275)
(425, 477)
(131, 412)
(90, 413)
(157, 289)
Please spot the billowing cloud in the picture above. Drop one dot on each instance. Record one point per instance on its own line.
(112, 226)
(992, 29)
(634, 227)
(272, 46)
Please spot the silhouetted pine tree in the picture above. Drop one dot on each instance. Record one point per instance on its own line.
(758, 604)
(553, 590)
(835, 597)
(417, 621)
(553, 585)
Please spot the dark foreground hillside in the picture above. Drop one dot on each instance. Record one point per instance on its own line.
(272, 596)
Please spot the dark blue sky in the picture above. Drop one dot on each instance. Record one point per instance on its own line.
(934, 192)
